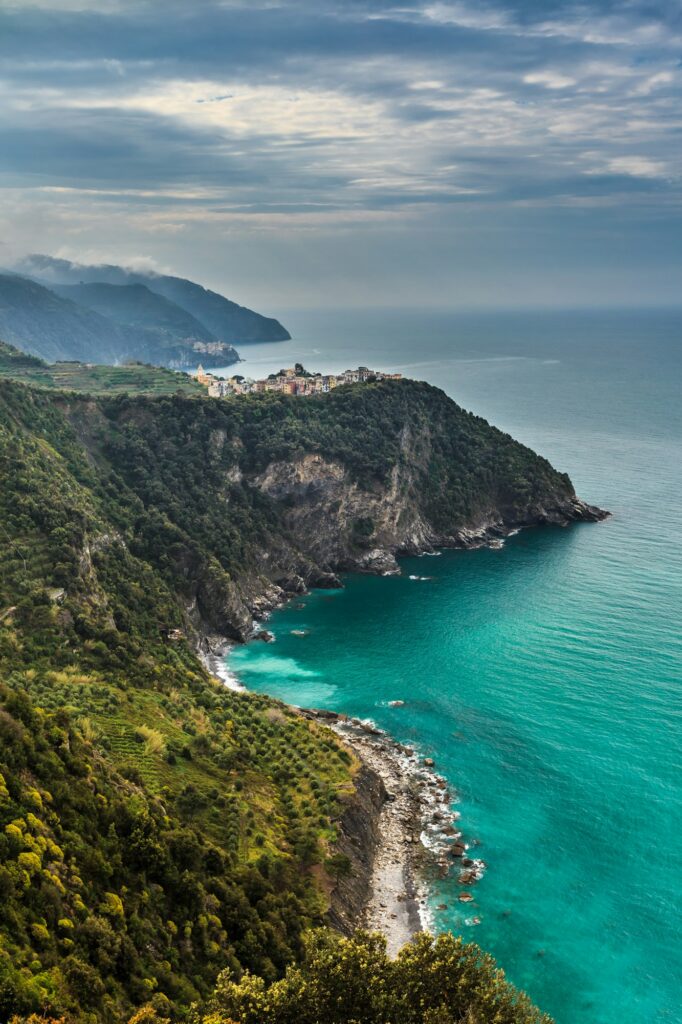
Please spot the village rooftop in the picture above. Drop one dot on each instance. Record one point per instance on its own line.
(295, 380)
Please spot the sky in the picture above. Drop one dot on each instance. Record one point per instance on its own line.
(351, 153)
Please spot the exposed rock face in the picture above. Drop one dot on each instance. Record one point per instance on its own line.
(273, 496)
(358, 834)
(323, 506)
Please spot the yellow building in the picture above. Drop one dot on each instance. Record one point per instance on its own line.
(203, 377)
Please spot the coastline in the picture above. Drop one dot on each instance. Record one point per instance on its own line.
(417, 831)
(212, 653)
(409, 828)
(395, 903)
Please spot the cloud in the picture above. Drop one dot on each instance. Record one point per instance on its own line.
(161, 119)
(638, 166)
(656, 81)
(550, 79)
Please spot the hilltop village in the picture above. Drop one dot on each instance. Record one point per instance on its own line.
(295, 380)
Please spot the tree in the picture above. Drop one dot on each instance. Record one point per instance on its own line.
(432, 981)
(338, 866)
(148, 1015)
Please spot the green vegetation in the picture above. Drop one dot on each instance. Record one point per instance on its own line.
(189, 311)
(432, 981)
(133, 378)
(176, 455)
(155, 827)
(130, 871)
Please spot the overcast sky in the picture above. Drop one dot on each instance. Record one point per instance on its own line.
(351, 152)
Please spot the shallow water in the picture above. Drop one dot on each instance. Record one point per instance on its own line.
(544, 678)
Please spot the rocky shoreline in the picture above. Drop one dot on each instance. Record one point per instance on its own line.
(285, 573)
(415, 834)
(401, 828)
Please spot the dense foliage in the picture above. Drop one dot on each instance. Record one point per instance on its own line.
(178, 456)
(339, 981)
(113, 890)
(156, 828)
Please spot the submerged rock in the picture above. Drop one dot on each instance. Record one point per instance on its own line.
(265, 635)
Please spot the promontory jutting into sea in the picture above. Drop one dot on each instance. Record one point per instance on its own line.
(340, 512)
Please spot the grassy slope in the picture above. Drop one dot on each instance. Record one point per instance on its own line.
(93, 379)
(128, 774)
(235, 790)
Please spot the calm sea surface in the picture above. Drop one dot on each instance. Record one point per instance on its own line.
(544, 678)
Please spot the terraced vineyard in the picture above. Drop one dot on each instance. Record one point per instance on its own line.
(133, 378)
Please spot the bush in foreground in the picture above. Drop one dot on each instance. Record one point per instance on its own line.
(353, 981)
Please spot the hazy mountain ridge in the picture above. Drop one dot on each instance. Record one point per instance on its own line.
(136, 306)
(226, 320)
(37, 320)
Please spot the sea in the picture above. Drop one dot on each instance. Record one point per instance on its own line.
(544, 678)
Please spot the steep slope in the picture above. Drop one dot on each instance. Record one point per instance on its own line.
(240, 501)
(40, 322)
(137, 306)
(226, 320)
(54, 327)
(154, 826)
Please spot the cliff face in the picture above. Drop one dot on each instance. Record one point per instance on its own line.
(137, 531)
(340, 525)
(332, 520)
(358, 833)
(236, 504)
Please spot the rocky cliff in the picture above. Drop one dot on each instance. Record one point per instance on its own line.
(341, 525)
(136, 531)
(238, 503)
(358, 834)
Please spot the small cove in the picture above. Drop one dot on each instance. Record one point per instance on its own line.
(544, 678)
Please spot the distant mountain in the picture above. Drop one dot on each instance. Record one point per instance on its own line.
(38, 320)
(227, 321)
(136, 306)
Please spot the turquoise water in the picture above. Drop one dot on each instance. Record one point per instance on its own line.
(544, 678)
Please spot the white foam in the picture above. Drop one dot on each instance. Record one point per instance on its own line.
(228, 678)
(426, 917)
